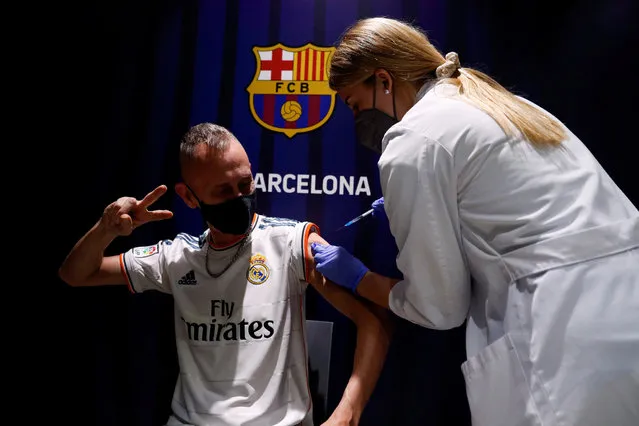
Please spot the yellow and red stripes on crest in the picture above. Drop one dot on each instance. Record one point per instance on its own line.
(309, 65)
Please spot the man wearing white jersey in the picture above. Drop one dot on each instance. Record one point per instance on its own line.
(238, 290)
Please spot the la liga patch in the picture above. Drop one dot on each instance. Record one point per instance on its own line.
(145, 251)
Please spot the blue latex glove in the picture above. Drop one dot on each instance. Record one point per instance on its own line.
(378, 209)
(338, 265)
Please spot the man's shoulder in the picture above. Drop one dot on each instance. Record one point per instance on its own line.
(178, 245)
(274, 222)
(270, 228)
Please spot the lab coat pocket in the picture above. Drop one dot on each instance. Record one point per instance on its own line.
(496, 386)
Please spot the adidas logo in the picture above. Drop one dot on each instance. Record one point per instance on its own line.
(188, 279)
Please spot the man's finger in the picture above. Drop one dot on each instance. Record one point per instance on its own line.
(123, 219)
(160, 215)
(152, 196)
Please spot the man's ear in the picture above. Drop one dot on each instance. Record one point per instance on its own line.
(186, 196)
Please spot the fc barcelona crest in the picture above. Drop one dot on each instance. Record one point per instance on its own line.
(289, 93)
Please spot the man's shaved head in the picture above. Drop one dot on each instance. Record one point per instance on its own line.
(215, 138)
(214, 165)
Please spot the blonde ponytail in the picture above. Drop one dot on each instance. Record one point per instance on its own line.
(407, 54)
(512, 113)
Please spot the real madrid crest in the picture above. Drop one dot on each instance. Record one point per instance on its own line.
(258, 271)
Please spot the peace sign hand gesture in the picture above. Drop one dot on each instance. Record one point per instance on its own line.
(124, 215)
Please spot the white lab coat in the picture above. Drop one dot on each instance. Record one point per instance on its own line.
(537, 249)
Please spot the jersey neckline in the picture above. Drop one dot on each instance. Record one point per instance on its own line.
(236, 243)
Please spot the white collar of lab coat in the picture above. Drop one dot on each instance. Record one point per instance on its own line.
(437, 87)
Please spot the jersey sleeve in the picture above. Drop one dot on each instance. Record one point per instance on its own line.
(144, 268)
(298, 245)
(419, 184)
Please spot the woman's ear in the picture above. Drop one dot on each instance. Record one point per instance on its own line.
(384, 77)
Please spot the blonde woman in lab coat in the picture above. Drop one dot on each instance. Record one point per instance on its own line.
(503, 218)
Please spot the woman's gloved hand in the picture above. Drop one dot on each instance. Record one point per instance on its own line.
(338, 265)
(378, 209)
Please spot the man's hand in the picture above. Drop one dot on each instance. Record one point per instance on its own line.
(124, 215)
(333, 421)
(86, 264)
(342, 416)
(338, 265)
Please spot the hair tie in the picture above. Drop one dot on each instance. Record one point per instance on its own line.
(448, 68)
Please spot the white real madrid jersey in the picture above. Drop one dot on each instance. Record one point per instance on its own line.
(240, 337)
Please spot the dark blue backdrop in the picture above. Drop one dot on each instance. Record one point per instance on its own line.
(128, 78)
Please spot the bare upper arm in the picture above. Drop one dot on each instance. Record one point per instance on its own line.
(110, 272)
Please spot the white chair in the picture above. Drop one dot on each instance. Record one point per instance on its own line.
(319, 335)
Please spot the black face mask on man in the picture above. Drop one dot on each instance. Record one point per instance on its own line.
(233, 216)
(372, 124)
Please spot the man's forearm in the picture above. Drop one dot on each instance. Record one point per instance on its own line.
(86, 256)
(373, 338)
(376, 288)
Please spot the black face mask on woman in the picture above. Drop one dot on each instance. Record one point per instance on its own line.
(233, 216)
(372, 124)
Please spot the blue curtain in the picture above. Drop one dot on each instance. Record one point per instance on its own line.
(126, 79)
